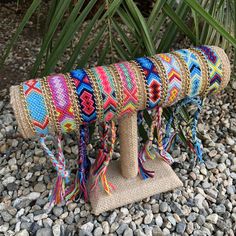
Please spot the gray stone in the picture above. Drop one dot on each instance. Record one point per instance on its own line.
(163, 207)
(8, 180)
(199, 200)
(128, 232)
(159, 221)
(98, 231)
(56, 229)
(23, 232)
(213, 218)
(192, 217)
(180, 228)
(148, 218)
(4, 227)
(111, 218)
(106, 227)
(155, 208)
(33, 195)
(44, 232)
(6, 216)
(176, 208)
(220, 209)
(39, 187)
(122, 228)
(57, 211)
(12, 186)
(230, 141)
(88, 227)
(210, 165)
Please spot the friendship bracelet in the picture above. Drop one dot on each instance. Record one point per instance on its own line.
(174, 74)
(61, 100)
(186, 75)
(215, 65)
(193, 70)
(35, 105)
(107, 89)
(153, 81)
(49, 105)
(129, 87)
(119, 88)
(141, 88)
(161, 70)
(225, 66)
(97, 94)
(74, 101)
(205, 71)
(143, 76)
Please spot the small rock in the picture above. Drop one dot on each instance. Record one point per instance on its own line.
(23, 232)
(88, 227)
(122, 228)
(33, 195)
(39, 187)
(41, 217)
(229, 141)
(148, 218)
(180, 228)
(212, 153)
(234, 85)
(155, 208)
(57, 211)
(210, 165)
(98, 231)
(106, 227)
(4, 227)
(163, 207)
(128, 232)
(44, 232)
(124, 210)
(111, 218)
(56, 229)
(213, 218)
(8, 180)
(6, 216)
(72, 206)
(159, 221)
(12, 187)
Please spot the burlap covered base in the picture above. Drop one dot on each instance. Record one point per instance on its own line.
(131, 190)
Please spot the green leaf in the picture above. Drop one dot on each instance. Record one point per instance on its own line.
(56, 19)
(82, 40)
(142, 25)
(22, 25)
(64, 40)
(179, 22)
(211, 21)
(84, 59)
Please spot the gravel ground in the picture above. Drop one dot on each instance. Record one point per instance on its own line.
(206, 205)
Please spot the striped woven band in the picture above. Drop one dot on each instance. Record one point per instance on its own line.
(130, 88)
(36, 106)
(194, 70)
(174, 77)
(85, 93)
(108, 91)
(215, 68)
(62, 103)
(153, 81)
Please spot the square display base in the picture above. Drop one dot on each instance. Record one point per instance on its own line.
(131, 190)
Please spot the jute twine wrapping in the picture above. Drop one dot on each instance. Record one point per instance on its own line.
(20, 114)
(134, 189)
(128, 133)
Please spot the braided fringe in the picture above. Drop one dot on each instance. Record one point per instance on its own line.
(81, 179)
(99, 169)
(162, 144)
(58, 194)
(193, 141)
